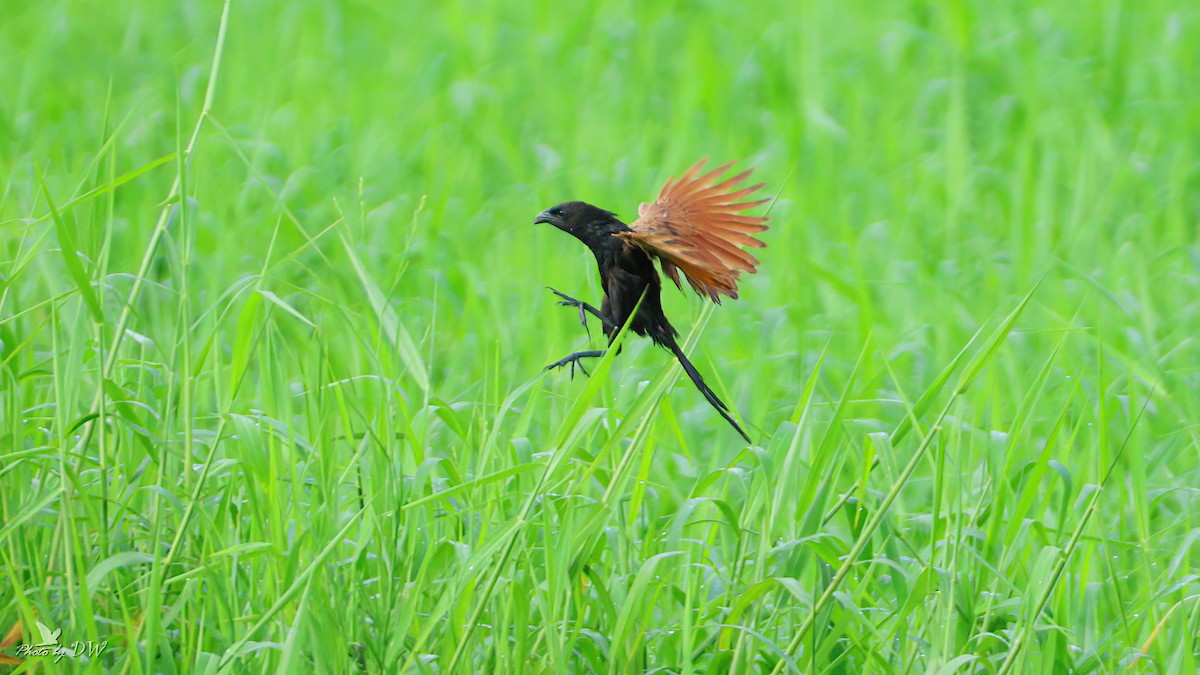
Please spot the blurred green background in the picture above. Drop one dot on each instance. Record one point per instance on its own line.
(270, 388)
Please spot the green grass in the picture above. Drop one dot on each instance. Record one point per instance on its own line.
(273, 317)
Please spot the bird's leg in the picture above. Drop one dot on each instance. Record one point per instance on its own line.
(568, 301)
(573, 360)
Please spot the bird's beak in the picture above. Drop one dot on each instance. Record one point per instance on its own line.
(544, 217)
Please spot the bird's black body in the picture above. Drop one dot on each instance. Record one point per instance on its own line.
(626, 273)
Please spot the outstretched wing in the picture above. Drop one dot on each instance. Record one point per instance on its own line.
(696, 225)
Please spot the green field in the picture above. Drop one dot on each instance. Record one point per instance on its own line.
(273, 318)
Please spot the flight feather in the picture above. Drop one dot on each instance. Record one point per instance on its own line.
(698, 226)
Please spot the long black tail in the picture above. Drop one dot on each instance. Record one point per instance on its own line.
(709, 394)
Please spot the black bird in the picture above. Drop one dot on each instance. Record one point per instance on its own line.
(694, 226)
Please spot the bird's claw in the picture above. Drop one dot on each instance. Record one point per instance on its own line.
(573, 361)
(568, 301)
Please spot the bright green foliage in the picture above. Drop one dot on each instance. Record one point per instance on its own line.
(273, 318)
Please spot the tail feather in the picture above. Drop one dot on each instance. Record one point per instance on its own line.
(709, 394)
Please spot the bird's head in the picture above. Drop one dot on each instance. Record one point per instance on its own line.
(587, 223)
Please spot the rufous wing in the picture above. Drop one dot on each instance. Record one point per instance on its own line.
(696, 226)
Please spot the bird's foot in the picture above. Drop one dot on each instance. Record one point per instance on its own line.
(573, 361)
(568, 301)
(585, 309)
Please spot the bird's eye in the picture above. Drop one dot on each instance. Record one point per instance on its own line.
(556, 211)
